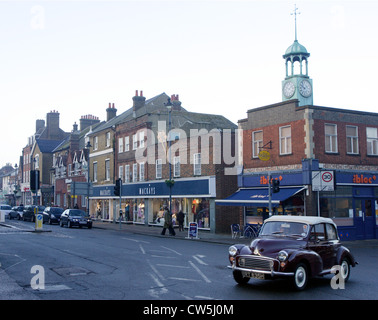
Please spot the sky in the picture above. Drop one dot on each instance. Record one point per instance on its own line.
(220, 56)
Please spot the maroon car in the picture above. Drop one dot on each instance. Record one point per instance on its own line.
(292, 246)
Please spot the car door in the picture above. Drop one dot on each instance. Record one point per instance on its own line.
(320, 244)
(64, 217)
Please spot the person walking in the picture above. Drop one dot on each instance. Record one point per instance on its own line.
(168, 223)
(180, 219)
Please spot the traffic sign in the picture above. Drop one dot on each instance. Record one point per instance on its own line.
(323, 180)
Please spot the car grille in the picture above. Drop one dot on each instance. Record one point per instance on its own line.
(255, 262)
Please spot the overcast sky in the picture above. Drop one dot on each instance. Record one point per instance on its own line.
(221, 57)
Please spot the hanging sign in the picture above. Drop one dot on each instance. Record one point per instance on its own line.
(264, 155)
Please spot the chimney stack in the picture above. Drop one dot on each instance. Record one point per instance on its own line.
(111, 112)
(87, 121)
(138, 101)
(52, 125)
(176, 102)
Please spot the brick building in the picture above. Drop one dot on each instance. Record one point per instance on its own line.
(326, 159)
(142, 136)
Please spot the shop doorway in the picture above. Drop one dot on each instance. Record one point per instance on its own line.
(364, 218)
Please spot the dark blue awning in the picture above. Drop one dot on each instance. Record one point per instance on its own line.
(258, 197)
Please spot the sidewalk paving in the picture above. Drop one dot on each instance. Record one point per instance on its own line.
(155, 231)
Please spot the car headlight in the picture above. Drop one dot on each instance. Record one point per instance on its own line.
(232, 250)
(282, 255)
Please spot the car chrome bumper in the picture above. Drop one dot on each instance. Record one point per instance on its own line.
(272, 273)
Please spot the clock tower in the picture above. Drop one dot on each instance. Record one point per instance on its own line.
(297, 83)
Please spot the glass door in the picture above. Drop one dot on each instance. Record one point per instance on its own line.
(364, 218)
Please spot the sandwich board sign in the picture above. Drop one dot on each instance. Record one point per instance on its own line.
(193, 231)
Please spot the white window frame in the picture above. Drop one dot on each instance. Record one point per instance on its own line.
(120, 173)
(135, 172)
(285, 142)
(176, 167)
(135, 141)
(197, 164)
(352, 140)
(256, 144)
(127, 143)
(95, 167)
(159, 168)
(127, 173)
(372, 141)
(107, 139)
(141, 139)
(141, 171)
(331, 138)
(120, 145)
(107, 169)
(95, 143)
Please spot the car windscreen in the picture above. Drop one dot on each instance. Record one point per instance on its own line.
(284, 228)
(77, 213)
(56, 210)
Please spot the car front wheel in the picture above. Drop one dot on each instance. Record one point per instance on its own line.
(300, 277)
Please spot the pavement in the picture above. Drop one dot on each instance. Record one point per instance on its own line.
(155, 231)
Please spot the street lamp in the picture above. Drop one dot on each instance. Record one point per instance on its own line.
(87, 147)
(170, 182)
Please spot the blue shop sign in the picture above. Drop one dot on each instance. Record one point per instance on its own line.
(192, 187)
(293, 179)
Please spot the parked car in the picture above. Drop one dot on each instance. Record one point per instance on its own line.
(16, 212)
(53, 214)
(75, 217)
(30, 215)
(296, 247)
(4, 211)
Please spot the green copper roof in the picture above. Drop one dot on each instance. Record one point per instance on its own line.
(295, 49)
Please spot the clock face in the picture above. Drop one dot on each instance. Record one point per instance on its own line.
(305, 88)
(288, 89)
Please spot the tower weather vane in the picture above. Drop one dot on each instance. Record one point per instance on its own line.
(295, 19)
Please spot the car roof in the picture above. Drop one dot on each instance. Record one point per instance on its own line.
(302, 219)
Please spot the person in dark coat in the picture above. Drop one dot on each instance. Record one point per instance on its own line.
(168, 223)
(180, 219)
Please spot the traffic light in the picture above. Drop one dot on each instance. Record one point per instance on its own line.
(117, 187)
(275, 185)
(34, 180)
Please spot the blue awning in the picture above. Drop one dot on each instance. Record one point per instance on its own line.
(258, 197)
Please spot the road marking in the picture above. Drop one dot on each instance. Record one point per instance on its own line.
(178, 253)
(200, 272)
(136, 240)
(141, 248)
(197, 257)
(183, 279)
(155, 270)
(171, 266)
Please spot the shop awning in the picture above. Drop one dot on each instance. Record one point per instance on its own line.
(258, 197)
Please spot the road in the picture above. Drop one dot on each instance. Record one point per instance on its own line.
(81, 264)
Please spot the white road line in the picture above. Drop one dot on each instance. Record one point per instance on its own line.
(200, 261)
(183, 279)
(136, 240)
(155, 270)
(171, 266)
(178, 253)
(141, 248)
(200, 272)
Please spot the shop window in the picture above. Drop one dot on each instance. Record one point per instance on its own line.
(336, 207)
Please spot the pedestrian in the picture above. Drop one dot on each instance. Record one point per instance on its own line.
(168, 223)
(180, 219)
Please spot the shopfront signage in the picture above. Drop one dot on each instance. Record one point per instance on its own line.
(361, 179)
(147, 191)
(264, 155)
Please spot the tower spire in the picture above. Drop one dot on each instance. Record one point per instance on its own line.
(295, 19)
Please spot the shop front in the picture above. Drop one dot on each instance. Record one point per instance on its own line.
(143, 202)
(353, 205)
(253, 195)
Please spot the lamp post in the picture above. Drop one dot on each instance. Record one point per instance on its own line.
(87, 147)
(170, 183)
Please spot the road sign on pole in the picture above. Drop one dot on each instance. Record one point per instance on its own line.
(323, 180)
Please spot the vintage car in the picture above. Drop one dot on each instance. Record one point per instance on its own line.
(292, 246)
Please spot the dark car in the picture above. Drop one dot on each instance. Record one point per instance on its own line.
(53, 214)
(16, 212)
(75, 217)
(292, 246)
(29, 213)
